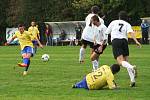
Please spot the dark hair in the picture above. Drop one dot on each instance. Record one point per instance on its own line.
(95, 18)
(95, 9)
(123, 15)
(20, 25)
(115, 68)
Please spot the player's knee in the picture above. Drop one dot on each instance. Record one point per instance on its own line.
(92, 58)
(84, 46)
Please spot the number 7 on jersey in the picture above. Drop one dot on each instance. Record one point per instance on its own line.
(121, 25)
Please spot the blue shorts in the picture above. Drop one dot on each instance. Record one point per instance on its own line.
(34, 42)
(27, 49)
(82, 84)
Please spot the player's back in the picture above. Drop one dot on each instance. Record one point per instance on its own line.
(88, 31)
(119, 29)
(100, 78)
(88, 19)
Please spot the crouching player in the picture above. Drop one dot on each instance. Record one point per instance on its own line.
(25, 41)
(102, 77)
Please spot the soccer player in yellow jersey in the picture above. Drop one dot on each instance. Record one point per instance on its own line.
(100, 78)
(25, 40)
(35, 32)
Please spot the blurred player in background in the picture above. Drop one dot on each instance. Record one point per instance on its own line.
(35, 32)
(87, 37)
(25, 41)
(119, 30)
(102, 77)
(100, 41)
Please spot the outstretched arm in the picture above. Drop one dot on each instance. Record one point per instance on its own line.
(9, 41)
(134, 38)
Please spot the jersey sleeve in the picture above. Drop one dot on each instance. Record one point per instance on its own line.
(129, 28)
(103, 31)
(110, 80)
(15, 35)
(109, 29)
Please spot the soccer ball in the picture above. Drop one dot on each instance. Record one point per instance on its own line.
(45, 57)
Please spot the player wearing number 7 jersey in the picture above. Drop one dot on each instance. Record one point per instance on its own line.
(119, 30)
(102, 77)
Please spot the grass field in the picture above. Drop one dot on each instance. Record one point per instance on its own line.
(53, 80)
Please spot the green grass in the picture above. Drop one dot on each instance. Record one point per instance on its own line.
(53, 80)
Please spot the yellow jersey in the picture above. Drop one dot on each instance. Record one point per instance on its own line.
(34, 31)
(100, 78)
(24, 39)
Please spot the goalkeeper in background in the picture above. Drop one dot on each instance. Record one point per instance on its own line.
(100, 78)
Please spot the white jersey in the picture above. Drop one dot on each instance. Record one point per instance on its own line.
(99, 34)
(119, 29)
(88, 31)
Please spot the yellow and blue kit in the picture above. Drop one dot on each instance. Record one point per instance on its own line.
(102, 77)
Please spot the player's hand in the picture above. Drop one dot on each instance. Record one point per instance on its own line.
(41, 46)
(6, 44)
(100, 49)
(138, 44)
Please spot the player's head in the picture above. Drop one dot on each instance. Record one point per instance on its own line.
(33, 23)
(95, 9)
(21, 28)
(123, 15)
(115, 68)
(95, 20)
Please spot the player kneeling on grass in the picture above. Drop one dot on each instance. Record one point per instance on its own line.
(102, 77)
(25, 41)
(99, 41)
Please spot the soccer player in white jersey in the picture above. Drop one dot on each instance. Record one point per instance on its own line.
(119, 30)
(100, 41)
(87, 35)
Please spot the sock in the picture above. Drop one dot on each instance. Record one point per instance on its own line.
(26, 68)
(25, 60)
(131, 74)
(129, 69)
(35, 49)
(95, 64)
(127, 65)
(81, 54)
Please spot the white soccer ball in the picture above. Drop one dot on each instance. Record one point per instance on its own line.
(45, 57)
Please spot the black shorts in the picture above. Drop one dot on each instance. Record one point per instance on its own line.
(96, 48)
(120, 47)
(85, 42)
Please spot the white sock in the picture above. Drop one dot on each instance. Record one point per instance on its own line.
(127, 65)
(81, 54)
(131, 74)
(95, 65)
(129, 69)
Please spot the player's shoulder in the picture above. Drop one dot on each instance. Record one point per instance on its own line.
(17, 32)
(89, 16)
(27, 32)
(105, 66)
(30, 27)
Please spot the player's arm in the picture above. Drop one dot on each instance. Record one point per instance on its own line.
(38, 34)
(9, 41)
(110, 81)
(131, 32)
(104, 42)
(39, 42)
